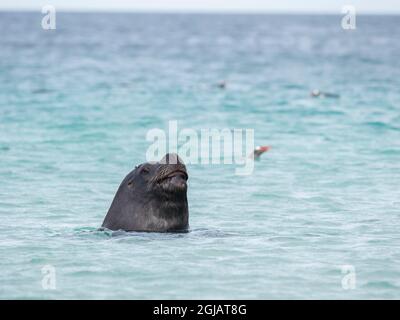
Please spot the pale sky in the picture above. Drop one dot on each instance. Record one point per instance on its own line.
(272, 6)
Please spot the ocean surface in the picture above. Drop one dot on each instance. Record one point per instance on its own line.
(321, 207)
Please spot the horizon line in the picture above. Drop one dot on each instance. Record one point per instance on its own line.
(199, 11)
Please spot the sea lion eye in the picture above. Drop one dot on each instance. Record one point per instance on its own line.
(145, 170)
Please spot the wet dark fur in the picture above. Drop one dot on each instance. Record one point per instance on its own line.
(152, 198)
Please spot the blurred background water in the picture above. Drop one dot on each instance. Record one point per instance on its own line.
(76, 104)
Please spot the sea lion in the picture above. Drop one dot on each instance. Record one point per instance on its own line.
(152, 198)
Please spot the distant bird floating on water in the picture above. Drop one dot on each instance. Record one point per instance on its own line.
(222, 85)
(317, 93)
(258, 151)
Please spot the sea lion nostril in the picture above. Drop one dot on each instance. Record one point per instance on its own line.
(182, 176)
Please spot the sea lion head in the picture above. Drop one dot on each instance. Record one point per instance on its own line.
(152, 197)
(166, 179)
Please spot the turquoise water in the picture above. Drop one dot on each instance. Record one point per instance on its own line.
(76, 104)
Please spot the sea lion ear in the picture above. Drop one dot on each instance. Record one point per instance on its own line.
(130, 183)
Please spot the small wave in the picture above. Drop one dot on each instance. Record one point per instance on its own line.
(211, 233)
(380, 125)
(92, 232)
(391, 151)
(4, 148)
(197, 233)
(380, 285)
(41, 91)
(283, 238)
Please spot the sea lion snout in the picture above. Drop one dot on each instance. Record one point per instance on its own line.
(171, 174)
